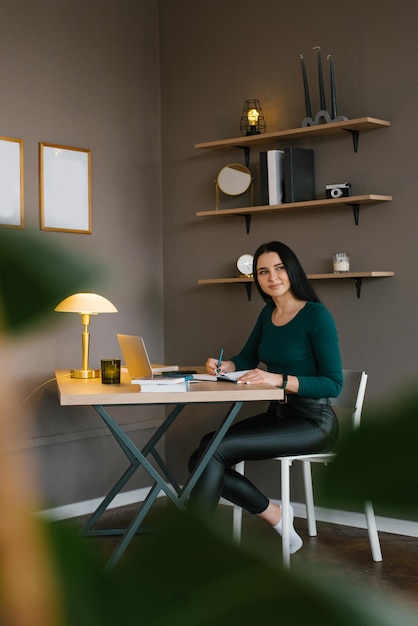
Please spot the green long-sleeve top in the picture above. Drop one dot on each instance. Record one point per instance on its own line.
(306, 347)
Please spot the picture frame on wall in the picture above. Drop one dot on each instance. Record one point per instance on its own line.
(11, 183)
(65, 188)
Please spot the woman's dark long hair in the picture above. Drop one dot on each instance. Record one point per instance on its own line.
(299, 282)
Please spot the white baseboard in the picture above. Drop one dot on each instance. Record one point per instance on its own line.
(76, 509)
(358, 520)
(343, 518)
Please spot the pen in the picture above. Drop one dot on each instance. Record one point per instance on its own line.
(218, 369)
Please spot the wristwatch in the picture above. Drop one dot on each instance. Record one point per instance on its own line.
(284, 383)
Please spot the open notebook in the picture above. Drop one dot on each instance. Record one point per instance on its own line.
(136, 358)
(232, 377)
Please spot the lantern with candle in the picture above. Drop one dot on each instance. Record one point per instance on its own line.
(252, 118)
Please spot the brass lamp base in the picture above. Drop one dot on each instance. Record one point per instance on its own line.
(85, 373)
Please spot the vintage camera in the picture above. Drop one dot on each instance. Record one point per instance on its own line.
(342, 190)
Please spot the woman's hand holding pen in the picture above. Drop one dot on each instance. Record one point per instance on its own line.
(212, 366)
(254, 377)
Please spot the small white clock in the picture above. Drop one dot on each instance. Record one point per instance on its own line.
(245, 264)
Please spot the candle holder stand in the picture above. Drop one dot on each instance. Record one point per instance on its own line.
(322, 117)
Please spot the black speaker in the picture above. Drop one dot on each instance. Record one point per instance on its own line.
(299, 183)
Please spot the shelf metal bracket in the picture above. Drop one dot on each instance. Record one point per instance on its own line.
(355, 135)
(356, 211)
(247, 218)
(248, 288)
(358, 282)
(247, 151)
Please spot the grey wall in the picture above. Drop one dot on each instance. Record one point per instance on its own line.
(230, 51)
(86, 74)
(117, 78)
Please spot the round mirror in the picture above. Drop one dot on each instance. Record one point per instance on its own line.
(234, 179)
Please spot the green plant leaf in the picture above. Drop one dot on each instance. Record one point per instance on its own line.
(189, 574)
(34, 276)
(378, 462)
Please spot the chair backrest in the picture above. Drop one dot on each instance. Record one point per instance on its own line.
(352, 396)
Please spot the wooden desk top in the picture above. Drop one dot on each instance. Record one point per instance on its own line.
(79, 392)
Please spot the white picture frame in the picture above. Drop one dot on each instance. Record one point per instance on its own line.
(65, 188)
(11, 183)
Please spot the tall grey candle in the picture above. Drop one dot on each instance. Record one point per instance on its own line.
(306, 88)
(321, 80)
(332, 82)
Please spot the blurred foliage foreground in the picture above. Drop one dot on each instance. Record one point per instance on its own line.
(187, 573)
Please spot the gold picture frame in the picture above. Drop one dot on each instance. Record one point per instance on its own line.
(11, 183)
(65, 188)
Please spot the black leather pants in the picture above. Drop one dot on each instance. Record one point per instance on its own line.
(299, 426)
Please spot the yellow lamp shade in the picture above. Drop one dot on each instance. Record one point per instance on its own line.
(85, 304)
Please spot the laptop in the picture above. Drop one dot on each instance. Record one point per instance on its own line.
(136, 358)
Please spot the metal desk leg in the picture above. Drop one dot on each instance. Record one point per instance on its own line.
(217, 438)
(133, 527)
(149, 448)
(87, 528)
(137, 459)
(184, 493)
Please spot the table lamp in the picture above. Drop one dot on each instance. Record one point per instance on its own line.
(85, 304)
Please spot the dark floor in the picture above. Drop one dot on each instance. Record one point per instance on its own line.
(342, 549)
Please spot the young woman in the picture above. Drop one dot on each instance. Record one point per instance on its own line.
(296, 340)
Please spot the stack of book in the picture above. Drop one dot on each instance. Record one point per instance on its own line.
(272, 176)
(163, 383)
(287, 175)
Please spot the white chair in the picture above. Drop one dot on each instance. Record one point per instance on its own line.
(351, 398)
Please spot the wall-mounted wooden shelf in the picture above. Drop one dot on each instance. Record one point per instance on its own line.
(247, 212)
(352, 126)
(248, 280)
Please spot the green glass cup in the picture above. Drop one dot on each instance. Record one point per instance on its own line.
(110, 371)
